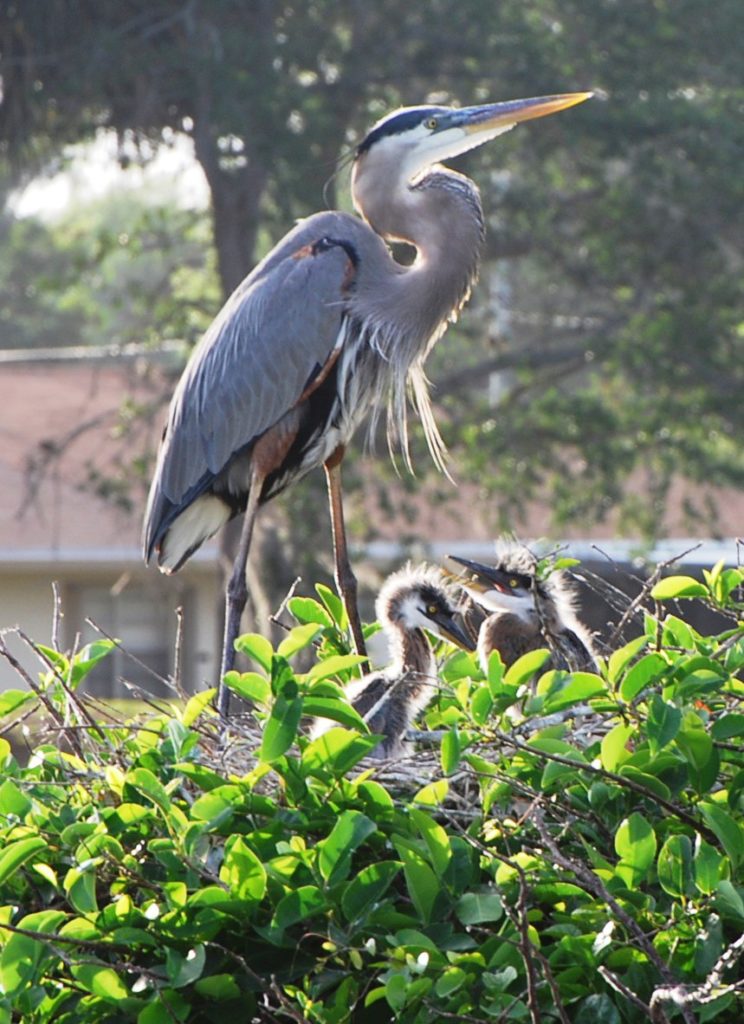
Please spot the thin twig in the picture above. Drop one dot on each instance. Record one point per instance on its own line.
(684, 996)
(619, 986)
(32, 685)
(132, 657)
(56, 616)
(178, 655)
(287, 598)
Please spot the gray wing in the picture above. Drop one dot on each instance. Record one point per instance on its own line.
(277, 331)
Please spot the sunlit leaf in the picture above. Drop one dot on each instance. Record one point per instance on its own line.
(678, 586)
(335, 852)
(256, 647)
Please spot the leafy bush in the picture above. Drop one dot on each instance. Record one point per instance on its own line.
(571, 851)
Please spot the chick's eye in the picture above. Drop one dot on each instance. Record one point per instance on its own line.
(430, 122)
(513, 583)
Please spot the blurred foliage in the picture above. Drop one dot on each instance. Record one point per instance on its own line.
(573, 852)
(613, 255)
(121, 270)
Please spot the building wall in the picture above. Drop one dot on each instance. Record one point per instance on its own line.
(138, 607)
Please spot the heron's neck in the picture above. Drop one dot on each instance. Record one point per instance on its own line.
(412, 652)
(440, 215)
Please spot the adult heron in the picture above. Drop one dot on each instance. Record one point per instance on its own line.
(325, 328)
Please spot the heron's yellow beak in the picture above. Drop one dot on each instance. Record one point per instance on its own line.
(495, 115)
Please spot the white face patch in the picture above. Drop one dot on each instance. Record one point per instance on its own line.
(412, 614)
(420, 148)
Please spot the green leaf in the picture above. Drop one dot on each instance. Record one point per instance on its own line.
(337, 751)
(654, 786)
(218, 805)
(479, 907)
(635, 845)
(622, 657)
(613, 748)
(436, 839)
(103, 982)
(451, 750)
(19, 962)
(496, 671)
(242, 871)
(645, 671)
(526, 667)
(167, 1007)
(571, 689)
(368, 887)
(726, 829)
(218, 987)
(13, 803)
(256, 647)
(335, 852)
(432, 795)
(304, 902)
(12, 700)
(677, 633)
(197, 705)
(727, 726)
(17, 853)
(694, 741)
(663, 723)
(298, 639)
(597, 1009)
(336, 710)
(281, 728)
(678, 586)
(334, 604)
(185, 970)
(675, 866)
(80, 887)
(143, 780)
(307, 610)
(396, 991)
(450, 981)
(87, 659)
(335, 665)
(707, 864)
(729, 901)
(697, 747)
(481, 705)
(251, 686)
(423, 884)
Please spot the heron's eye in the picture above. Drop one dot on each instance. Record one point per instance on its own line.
(513, 583)
(431, 123)
(431, 609)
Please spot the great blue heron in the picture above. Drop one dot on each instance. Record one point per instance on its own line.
(411, 601)
(326, 327)
(525, 613)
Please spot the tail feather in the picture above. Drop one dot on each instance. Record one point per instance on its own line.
(188, 531)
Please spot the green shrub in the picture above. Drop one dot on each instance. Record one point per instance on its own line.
(572, 852)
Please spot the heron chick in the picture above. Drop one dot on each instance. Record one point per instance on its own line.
(525, 613)
(412, 600)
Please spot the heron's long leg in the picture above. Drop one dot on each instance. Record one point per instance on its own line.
(345, 578)
(237, 593)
